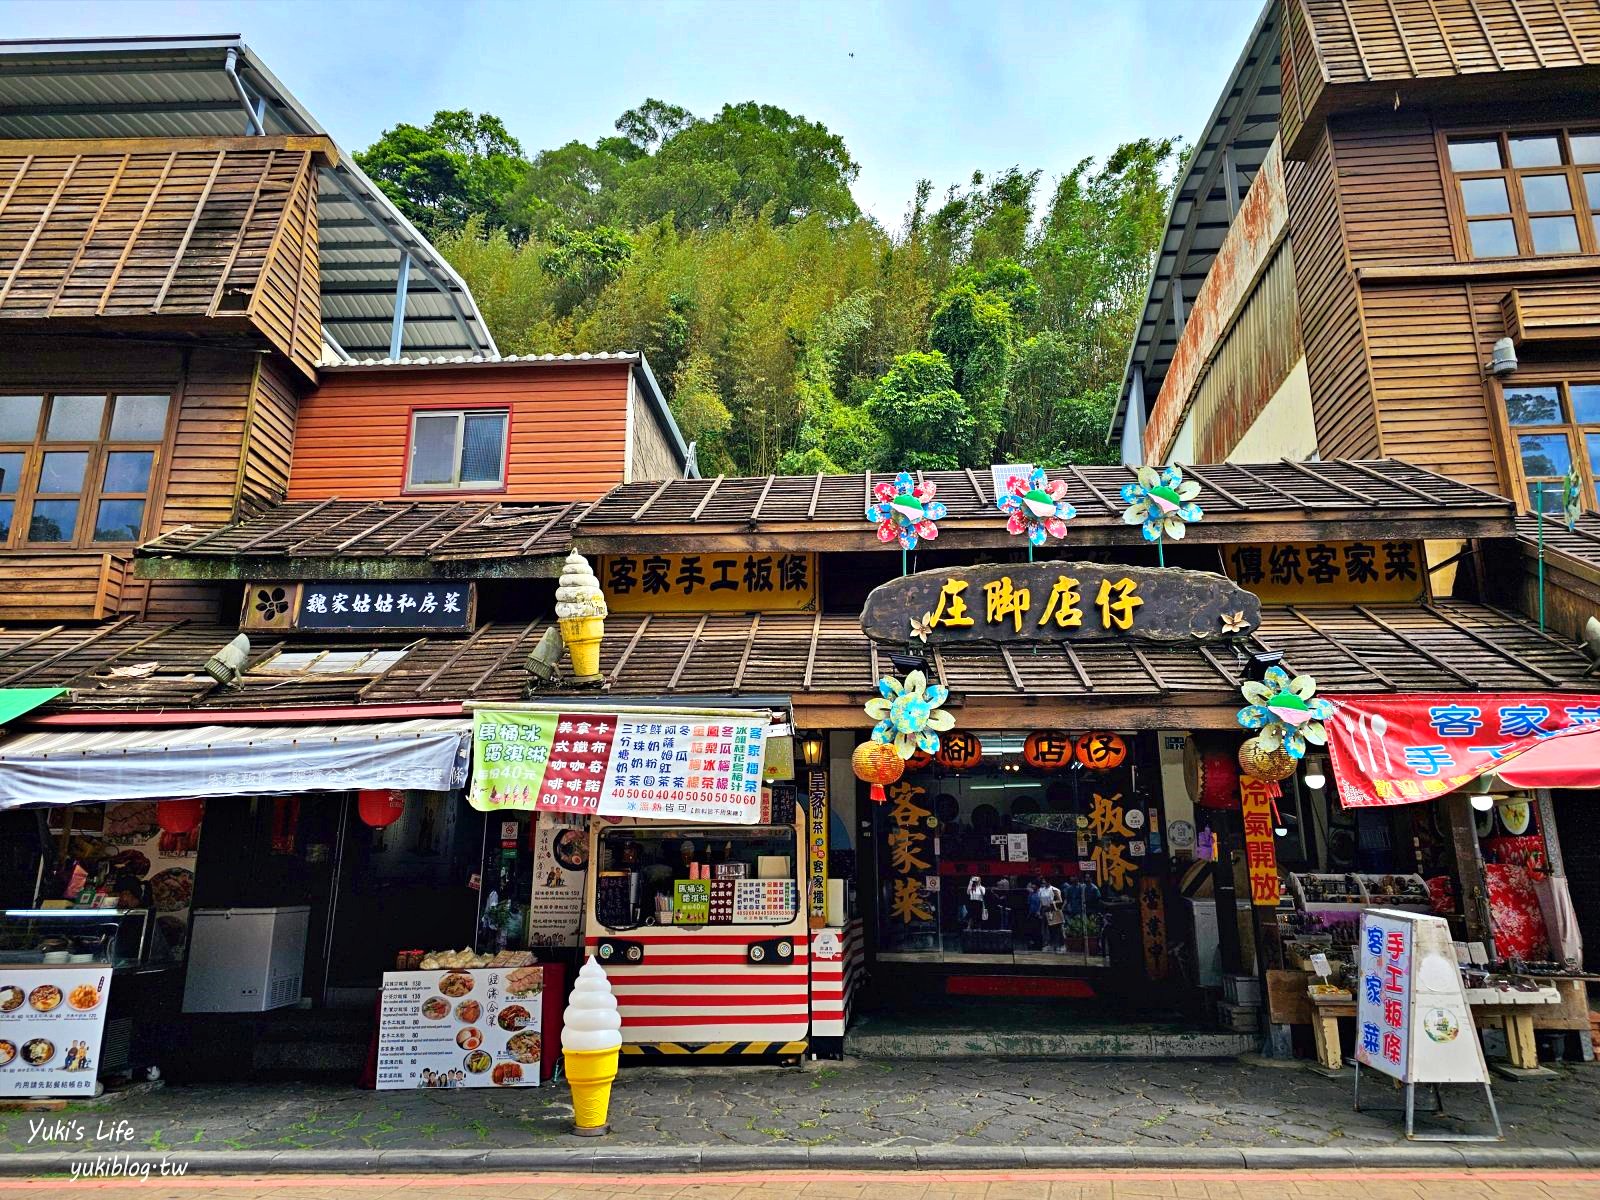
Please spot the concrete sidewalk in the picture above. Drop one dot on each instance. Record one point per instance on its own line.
(861, 1113)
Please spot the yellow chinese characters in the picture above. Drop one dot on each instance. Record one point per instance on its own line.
(1117, 600)
(907, 840)
(1105, 817)
(1062, 607)
(951, 610)
(1004, 601)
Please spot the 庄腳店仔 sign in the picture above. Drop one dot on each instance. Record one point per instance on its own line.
(1059, 601)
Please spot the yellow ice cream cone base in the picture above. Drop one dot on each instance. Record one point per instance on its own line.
(583, 636)
(589, 1074)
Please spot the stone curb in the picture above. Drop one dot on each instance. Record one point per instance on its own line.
(654, 1160)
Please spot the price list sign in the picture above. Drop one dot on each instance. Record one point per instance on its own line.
(460, 1029)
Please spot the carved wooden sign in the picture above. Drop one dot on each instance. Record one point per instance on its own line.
(1059, 601)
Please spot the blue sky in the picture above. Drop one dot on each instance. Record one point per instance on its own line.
(931, 89)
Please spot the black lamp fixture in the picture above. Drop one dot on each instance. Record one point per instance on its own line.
(811, 748)
(1262, 661)
(904, 661)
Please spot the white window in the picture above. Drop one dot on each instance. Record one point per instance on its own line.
(329, 662)
(457, 449)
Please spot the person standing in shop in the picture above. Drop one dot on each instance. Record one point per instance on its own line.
(1051, 909)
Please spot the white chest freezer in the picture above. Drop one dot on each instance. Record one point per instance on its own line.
(245, 959)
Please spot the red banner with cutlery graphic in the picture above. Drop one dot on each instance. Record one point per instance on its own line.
(1401, 749)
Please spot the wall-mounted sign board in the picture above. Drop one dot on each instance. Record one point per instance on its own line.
(1328, 572)
(699, 583)
(1059, 601)
(350, 607)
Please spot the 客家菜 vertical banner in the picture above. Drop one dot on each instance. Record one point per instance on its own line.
(1402, 749)
(667, 765)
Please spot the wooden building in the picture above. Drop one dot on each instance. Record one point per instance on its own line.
(1429, 188)
(185, 311)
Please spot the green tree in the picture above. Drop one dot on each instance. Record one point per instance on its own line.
(583, 262)
(458, 165)
(975, 331)
(926, 424)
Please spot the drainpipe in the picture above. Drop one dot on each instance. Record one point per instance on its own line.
(254, 110)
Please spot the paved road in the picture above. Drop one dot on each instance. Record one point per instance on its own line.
(909, 1105)
(988, 1185)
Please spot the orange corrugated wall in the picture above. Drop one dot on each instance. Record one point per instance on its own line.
(568, 429)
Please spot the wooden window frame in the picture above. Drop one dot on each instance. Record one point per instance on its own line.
(1584, 216)
(461, 412)
(1575, 431)
(97, 451)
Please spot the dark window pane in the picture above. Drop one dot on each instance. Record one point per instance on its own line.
(19, 418)
(1591, 188)
(1586, 147)
(10, 473)
(1585, 403)
(1485, 197)
(1475, 154)
(118, 520)
(63, 471)
(433, 450)
(1533, 406)
(7, 507)
(1594, 453)
(139, 419)
(52, 520)
(1536, 150)
(481, 448)
(1546, 193)
(1545, 454)
(1493, 239)
(1554, 235)
(128, 470)
(75, 419)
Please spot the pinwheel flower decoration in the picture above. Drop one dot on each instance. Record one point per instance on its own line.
(906, 511)
(1162, 502)
(908, 715)
(1286, 711)
(1037, 506)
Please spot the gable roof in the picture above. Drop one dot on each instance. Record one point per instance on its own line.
(216, 86)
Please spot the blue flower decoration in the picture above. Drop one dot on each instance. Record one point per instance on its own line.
(1162, 502)
(1286, 711)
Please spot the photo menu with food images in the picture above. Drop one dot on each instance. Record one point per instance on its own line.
(51, 1019)
(476, 1027)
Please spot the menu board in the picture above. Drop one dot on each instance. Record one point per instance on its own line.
(763, 901)
(560, 859)
(1412, 1020)
(51, 1020)
(465, 1028)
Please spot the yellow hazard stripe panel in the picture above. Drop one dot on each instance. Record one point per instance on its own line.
(674, 1049)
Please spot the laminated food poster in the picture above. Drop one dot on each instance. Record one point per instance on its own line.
(476, 1027)
(51, 1019)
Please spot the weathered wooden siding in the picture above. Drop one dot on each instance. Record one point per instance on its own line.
(223, 399)
(1539, 312)
(1427, 378)
(567, 430)
(1392, 191)
(1330, 315)
(149, 233)
(1343, 54)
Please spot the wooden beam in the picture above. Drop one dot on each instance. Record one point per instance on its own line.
(977, 489)
(688, 652)
(811, 653)
(1399, 483)
(500, 658)
(243, 235)
(1405, 42)
(445, 512)
(451, 661)
(1303, 469)
(749, 648)
(1488, 35)
(1411, 643)
(755, 513)
(654, 496)
(1217, 488)
(627, 651)
(1553, 680)
(38, 229)
(56, 147)
(1444, 35)
(188, 233)
(133, 234)
(547, 527)
(399, 512)
(1328, 639)
(706, 499)
(89, 231)
(1083, 479)
(95, 636)
(816, 494)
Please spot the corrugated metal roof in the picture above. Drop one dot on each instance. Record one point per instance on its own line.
(1241, 129)
(180, 87)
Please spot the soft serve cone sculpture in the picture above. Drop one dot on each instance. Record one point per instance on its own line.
(591, 1040)
(581, 610)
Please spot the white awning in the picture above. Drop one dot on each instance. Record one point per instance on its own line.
(82, 766)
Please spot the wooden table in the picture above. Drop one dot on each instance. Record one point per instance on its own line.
(1488, 1009)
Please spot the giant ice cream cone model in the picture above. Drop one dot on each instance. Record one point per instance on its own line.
(591, 1039)
(581, 610)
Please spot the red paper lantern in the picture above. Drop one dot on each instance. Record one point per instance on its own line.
(380, 807)
(958, 751)
(1214, 778)
(877, 763)
(1047, 749)
(1101, 751)
(180, 816)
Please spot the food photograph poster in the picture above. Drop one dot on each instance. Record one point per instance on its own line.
(51, 1021)
(469, 1028)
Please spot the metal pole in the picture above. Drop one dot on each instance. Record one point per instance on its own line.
(1539, 518)
(397, 327)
